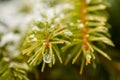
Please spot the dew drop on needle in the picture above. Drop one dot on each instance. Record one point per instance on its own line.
(47, 58)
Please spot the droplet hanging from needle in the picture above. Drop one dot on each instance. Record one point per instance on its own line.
(88, 58)
(47, 58)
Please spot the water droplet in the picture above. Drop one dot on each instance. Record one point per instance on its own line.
(80, 25)
(57, 19)
(88, 1)
(102, 6)
(12, 64)
(88, 56)
(71, 24)
(62, 15)
(35, 28)
(69, 33)
(32, 38)
(44, 43)
(52, 26)
(6, 59)
(47, 58)
(91, 17)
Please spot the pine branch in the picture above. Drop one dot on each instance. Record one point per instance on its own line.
(43, 42)
(13, 70)
(83, 29)
(92, 29)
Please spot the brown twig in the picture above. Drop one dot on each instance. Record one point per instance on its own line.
(84, 34)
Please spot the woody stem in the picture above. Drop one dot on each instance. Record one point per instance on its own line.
(83, 16)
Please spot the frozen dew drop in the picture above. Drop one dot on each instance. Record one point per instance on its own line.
(52, 26)
(32, 36)
(57, 19)
(62, 15)
(102, 6)
(6, 59)
(71, 24)
(69, 33)
(47, 58)
(12, 64)
(44, 43)
(88, 56)
(91, 18)
(80, 25)
(88, 1)
(35, 28)
(34, 39)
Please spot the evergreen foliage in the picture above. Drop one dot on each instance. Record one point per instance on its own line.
(76, 33)
(88, 30)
